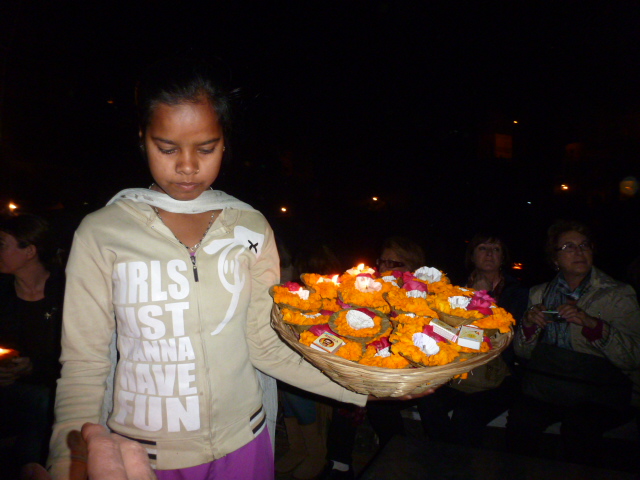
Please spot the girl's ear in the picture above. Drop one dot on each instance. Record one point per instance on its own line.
(31, 251)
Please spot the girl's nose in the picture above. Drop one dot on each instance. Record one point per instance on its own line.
(187, 164)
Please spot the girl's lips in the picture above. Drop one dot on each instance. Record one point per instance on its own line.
(187, 185)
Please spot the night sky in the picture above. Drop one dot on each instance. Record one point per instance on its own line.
(341, 101)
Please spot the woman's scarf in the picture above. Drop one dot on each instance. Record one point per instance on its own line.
(558, 293)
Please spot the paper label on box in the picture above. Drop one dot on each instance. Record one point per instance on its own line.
(470, 337)
(327, 342)
(445, 330)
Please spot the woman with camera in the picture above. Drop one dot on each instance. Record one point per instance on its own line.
(581, 341)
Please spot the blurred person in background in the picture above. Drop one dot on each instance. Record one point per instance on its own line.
(404, 255)
(490, 389)
(31, 295)
(303, 414)
(581, 340)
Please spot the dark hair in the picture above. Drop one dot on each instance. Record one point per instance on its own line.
(559, 228)
(407, 249)
(481, 238)
(316, 259)
(29, 229)
(178, 80)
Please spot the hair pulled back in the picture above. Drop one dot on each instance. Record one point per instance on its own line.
(179, 80)
(29, 229)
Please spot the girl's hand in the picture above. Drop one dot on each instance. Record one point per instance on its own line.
(373, 398)
(573, 314)
(534, 316)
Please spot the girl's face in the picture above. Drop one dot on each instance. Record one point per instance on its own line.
(184, 145)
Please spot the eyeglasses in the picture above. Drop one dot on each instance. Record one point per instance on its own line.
(389, 264)
(573, 248)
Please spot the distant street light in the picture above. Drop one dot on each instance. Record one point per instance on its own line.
(12, 207)
(629, 186)
(564, 186)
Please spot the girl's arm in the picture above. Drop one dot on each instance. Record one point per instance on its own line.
(270, 354)
(88, 326)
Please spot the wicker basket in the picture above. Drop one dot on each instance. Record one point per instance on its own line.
(383, 382)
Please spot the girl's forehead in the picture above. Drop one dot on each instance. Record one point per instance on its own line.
(188, 115)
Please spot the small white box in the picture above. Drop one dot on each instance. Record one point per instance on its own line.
(445, 330)
(327, 342)
(470, 337)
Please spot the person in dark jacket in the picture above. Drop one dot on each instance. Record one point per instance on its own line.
(491, 389)
(31, 296)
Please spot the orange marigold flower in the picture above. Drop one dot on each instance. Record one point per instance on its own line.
(393, 361)
(441, 303)
(402, 343)
(300, 318)
(283, 296)
(484, 348)
(307, 338)
(330, 304)
(343, 327)
(322, 284)
(350, 350)
(447, 290)
(500, 319)
(348, 293)
(399, 301)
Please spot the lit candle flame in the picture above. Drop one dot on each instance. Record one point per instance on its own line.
(334, 279)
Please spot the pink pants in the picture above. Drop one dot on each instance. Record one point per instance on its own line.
(254, 461)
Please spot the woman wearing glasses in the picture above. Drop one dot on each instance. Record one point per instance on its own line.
(581, 339)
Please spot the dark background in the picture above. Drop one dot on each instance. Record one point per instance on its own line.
(343, 101)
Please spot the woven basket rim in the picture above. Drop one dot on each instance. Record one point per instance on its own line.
(356, 376)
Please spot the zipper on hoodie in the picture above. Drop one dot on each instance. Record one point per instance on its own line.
(195, 266)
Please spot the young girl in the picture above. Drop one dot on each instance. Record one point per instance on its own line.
(180, 273)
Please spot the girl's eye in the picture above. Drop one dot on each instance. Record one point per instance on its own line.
(167, 151)
(207, 151)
